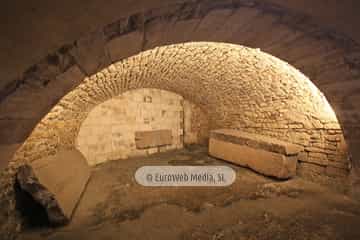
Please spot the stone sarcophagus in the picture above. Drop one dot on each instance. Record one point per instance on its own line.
(265, 155)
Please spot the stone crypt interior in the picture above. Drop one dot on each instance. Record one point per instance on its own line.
(267, 88)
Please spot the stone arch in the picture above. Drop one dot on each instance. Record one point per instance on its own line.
(330, 59)
(239, 87)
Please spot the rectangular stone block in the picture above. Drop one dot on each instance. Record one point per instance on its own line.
(264, 155)
(65, 175)
(256, 141)
(149, 139)
(125, 46)
(90, 53)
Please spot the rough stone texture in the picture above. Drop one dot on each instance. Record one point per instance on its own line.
(265, 155)
(29, 183)
(114, 206)
(150, 139)
(295, 41)
(329, 58)
(90, 53)
(132, 41)
(240, 88)
(108, 132)
(56, 182)
(323, 54)
(196, 124)
(256, 141)
(35, 96)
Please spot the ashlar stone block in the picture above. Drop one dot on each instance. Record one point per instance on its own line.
(265, 155)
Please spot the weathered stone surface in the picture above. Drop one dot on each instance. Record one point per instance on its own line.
(256, 141)
(29, 183)
(262, 154)
(317, 158)
(31, 103)
(90, 53)
(65, 82)
(196, 127)
(108, 132)
(262, 161)
(56, 182)
(246, 97)
(292, 20)
(147, 139)
(310, 171)
(125, 45)
(302, 156)
(336, 172)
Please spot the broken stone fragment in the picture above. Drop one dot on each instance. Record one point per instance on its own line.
(29, 183)
(56, 182)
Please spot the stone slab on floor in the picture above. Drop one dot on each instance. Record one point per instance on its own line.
(149, 139)
(265, 155)
(57, 182)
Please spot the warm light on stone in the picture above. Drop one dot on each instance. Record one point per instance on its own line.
(110, 129)
(238, 87)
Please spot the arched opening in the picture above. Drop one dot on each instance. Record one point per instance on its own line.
(327, 57)
(240, 88)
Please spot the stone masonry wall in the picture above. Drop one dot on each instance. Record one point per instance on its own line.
(329, 58)
(239, 87)
(108, 132)
(196, 124)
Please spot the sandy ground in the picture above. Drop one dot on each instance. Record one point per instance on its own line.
(114, 206)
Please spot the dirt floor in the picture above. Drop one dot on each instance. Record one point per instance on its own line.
(114, 206)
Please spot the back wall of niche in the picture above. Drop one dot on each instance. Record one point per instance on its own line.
(139, 123)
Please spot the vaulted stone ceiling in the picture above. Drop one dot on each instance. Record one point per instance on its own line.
(31, 30)
(238, 88)
(49, 47)
(321, 51)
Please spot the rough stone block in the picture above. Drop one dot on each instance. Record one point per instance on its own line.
(90, 53)
(125, 46)
(262, 154)
(256, 141)
(149, 139)
(310, 171)
(56, 182)
(64, 83)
